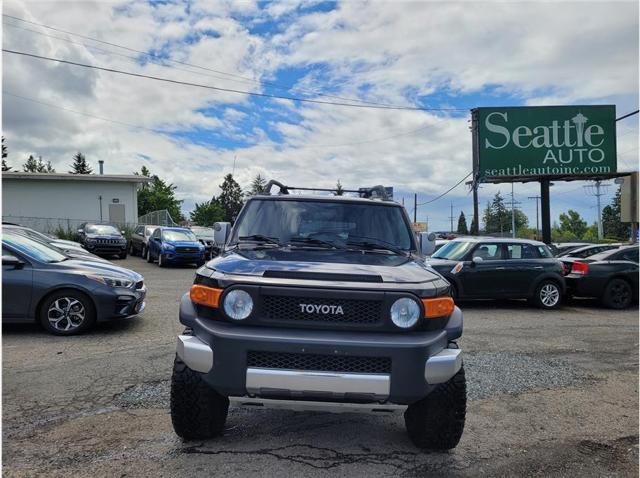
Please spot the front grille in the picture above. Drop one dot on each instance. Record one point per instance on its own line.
(187, 249)
(108, 241)
(319, 363)
(354, 311)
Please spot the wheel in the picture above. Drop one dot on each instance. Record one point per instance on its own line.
(161, 263)
(436, 422)
(617, 294)
(548, 295)
(67, 312)
(149, 256)
(197, 410)
(143, 251)
(132, 250)
(123, 255)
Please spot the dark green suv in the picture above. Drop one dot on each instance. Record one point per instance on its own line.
(321, 302)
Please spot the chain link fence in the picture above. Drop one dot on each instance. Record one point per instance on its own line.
(157, 218)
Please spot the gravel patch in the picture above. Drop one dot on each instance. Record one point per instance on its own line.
(145, 395)
(490, 374)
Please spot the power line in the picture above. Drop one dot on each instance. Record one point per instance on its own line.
(163, 61)
(627, 115)
(160, 131)
(228, 90)
(446, 192)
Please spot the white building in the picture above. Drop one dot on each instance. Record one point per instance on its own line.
(48, 201)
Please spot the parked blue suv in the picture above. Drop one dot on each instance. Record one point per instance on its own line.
(173, 245)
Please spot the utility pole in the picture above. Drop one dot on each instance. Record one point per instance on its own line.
(514, 204)
(451, 218)
(537, 198)
(415, 208)
(598, 190)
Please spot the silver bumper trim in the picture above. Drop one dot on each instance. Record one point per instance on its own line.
(443, 365)
(333, 384)
(304, 405)
(195, 353)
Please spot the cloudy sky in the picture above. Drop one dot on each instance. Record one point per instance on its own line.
(445, 56)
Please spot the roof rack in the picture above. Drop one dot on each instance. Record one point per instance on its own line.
(375, 192)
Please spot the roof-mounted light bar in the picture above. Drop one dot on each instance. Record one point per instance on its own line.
(375, 192)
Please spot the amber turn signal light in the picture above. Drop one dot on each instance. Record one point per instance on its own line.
(439, 307)
(203, 295)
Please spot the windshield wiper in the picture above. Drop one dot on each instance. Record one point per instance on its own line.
(315, 242)
(260, 239)
(370, 243)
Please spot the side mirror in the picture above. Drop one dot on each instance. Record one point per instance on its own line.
(221, 232)
(426, 243)
(80, 231)
(12, 261)
(477, 260)
(122, 232)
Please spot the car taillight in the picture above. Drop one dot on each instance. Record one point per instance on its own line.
(580, 268)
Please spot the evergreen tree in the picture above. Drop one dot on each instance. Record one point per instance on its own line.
(230, 198)
(5, 166)
(37, 166)
(612, 226)
(257, 185)
(462, 224)
(80, 165)
(158, 196)
(339, 189)
(207, 213)
(497, 218)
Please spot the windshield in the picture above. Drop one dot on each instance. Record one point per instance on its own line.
(454, 250)
(33, 249)
(177, 236)
(203, 231)
(325, 222)
(101, 229)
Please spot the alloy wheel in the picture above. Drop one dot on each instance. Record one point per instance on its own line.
(66, 314)
(620, 294)
(549, 295)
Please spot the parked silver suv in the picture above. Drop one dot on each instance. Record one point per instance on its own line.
(140, 239)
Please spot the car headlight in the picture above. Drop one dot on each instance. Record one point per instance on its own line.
(405, 312)
(238, 304)
(91, 240)
(168, 247)
(201, 247)
(112, 281)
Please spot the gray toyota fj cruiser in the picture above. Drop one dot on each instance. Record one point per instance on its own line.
(321, 302)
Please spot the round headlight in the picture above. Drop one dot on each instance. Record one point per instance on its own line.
(405, 312)
(238, 304)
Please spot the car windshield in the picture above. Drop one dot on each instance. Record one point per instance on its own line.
(33, 249)
(203, 231)
(176, 236)
(454, 250)
(101, 229)
(324, 223)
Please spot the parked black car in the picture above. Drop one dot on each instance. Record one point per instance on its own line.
(140, 239)
(206, 237)
(611, 276)
(501, 269)
(67, 296)
(586, 251)
(103, 240)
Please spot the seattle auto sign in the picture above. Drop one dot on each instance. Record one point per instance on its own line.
(544, 141)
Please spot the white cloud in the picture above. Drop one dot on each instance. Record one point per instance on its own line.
(539, 53)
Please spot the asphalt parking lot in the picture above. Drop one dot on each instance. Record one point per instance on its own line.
(550, 393)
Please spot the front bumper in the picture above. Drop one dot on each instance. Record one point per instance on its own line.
(118, 302)
(106, 249)
(185, 258)
(418, 361)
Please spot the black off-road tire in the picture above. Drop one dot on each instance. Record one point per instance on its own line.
(539, 296)
(618, 294)
(197, 411)
(437, 421)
